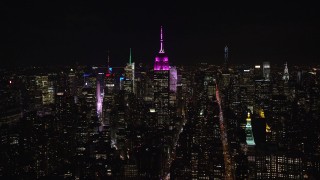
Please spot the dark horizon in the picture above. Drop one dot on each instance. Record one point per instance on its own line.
(43, 33)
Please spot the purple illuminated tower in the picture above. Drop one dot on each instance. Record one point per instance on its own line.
(99, 100)
(161, 61)
(161, 85)
(173, 79)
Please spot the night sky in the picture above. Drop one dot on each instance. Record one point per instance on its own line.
(63, 33)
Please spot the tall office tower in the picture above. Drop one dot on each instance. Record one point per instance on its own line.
(173, 78)
(144, 83)
(37, 91)
(262, 94)
(108, 92)
(266, 70)
(209, 84)
(250, 152)
(246, 88)
(280, 111)
(89, 93)
(173, 85)
(129, 81)
(99, 97)
(118, 122)
(226, 57)
(225, 80)
(285, 76)
(161, 84)
(257, 71)
(45, 85)
(249, 138)
(89, 80)
(72, 82)
(99, 92)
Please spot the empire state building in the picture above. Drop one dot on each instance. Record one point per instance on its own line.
(161, 84)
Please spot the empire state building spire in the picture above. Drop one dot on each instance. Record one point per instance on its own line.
(161, 62)
(161, 42)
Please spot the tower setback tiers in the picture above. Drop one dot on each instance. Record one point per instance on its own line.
(249, 138)
(161, 61)
(161, 85)
(285, 76)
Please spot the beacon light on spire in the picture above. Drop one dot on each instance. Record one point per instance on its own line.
(161, 61)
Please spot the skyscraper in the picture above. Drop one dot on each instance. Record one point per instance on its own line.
(266, 70)
(173, 78)
(225, 69)
(161, 62)
(108, 92)
(161, 84)
(249, 138)
(129, 83)
(285, 76)
(226, 57)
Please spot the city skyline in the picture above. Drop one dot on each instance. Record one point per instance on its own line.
(41, 33)
(166, 121)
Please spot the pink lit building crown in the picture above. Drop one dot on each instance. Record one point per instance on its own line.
(161, 61)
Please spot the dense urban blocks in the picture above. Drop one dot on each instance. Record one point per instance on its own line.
(81, 122)
(255, 121)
